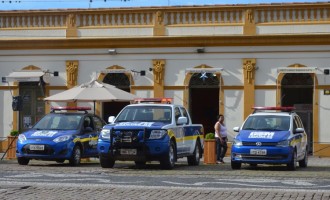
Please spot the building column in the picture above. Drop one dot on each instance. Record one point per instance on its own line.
(158, 72)
(159, 27)
(249, 23)
(249, 67)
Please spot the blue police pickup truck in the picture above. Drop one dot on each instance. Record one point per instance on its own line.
(151, 130)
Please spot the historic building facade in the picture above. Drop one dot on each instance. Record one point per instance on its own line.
(211, 59)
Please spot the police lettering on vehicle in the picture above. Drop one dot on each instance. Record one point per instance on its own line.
(264, 135)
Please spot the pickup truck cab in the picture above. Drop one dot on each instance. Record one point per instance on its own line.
(151, 131)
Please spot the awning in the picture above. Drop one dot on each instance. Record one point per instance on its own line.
(25, 76)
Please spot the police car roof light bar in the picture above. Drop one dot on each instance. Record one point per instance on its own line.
(284, 109)
(79, 108)
(154, 100)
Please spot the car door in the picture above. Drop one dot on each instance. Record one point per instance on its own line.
(302, 138)
(178, 131)
(297, 136)
(89, 136)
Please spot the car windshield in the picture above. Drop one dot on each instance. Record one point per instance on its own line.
(58, 122)
(267, 122)
(146, 114)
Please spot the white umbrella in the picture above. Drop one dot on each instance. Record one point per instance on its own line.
(91, 92)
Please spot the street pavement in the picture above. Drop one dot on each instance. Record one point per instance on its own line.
(40, 190)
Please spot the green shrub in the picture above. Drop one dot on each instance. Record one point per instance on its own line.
(14, 133)
(209, 136)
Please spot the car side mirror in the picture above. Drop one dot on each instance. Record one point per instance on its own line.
(299, 130)
(236, 129)
(182, 120)
(111, 119)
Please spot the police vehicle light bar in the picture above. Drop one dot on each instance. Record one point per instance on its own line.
(70, 108)
(154, 100)
(287, 108)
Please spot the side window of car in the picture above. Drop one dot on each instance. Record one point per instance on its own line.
(295, 124)
(300, 124)
(88, 124)
(185, 114)
(177, 114)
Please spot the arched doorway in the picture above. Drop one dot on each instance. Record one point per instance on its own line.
(204, 99)
(297, 89)
(121, 81)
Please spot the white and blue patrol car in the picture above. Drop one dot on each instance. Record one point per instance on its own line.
(151, 132)
(270, 135)
(60, 136)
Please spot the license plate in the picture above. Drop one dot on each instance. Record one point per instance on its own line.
(37, 147)
(261, 152)
(128, 151)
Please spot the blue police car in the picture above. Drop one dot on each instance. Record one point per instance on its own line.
(270, 135)
(60, 136)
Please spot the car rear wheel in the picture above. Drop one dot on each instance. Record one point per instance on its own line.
(195, 158)
(168, 161)
(293, 162)
(107, 162)
(23, 161)
(236, 165)
(75, 157)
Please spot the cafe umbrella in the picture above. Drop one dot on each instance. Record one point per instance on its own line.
(93, 91)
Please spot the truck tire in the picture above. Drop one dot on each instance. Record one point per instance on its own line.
(23, 161)
(168, 161)
(75, 157)
(107, 162)
(195, 158)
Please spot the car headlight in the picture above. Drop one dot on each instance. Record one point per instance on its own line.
(21, 137)
(62, 138)
(237, 142)
(157, 134)
(105, 134)
(284, 143)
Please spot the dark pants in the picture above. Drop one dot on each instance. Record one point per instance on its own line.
(221, 148)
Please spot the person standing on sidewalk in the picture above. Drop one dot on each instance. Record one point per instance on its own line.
(221, 138)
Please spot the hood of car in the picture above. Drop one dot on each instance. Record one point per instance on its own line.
(33, 134)
(263, 136)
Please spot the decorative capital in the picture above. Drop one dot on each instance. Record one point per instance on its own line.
(158, 69)
(71, 73)
(249, 66)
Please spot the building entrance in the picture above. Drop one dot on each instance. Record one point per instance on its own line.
(297, 90)
(121, 81)
(204, 100)
(32, 94)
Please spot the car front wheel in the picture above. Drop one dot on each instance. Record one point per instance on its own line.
(293, 162)
(303, 162)
(75, 157)
(23, 161)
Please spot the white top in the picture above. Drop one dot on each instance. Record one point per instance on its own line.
(223, 131)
